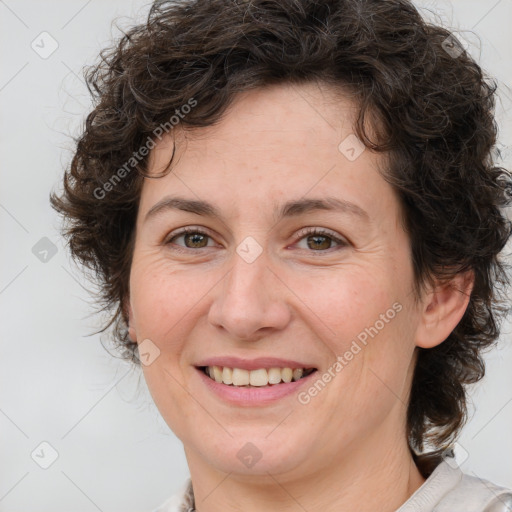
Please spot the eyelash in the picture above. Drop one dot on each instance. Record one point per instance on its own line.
(303, 233)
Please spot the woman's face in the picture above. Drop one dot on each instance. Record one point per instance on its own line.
(256, 282)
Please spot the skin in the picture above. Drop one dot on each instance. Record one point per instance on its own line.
(347, 448)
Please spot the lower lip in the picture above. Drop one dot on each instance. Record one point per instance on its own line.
(253, 396)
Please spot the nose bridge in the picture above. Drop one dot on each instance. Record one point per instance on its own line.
(249, 299)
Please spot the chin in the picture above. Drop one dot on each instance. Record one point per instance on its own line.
(253, 454)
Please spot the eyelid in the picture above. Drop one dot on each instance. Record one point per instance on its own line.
(186, 229)
(320, 231)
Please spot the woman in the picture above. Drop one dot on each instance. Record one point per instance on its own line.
(293, 212)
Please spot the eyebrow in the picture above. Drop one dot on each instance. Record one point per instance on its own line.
(289, 209)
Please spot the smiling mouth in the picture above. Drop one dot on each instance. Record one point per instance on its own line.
(260, 378)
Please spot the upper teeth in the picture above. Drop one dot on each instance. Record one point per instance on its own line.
(260, 377)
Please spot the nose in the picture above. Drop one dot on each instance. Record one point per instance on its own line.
(251, 300)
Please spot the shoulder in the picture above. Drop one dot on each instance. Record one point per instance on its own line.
(449, 489)
(474, 494)
(468, 494)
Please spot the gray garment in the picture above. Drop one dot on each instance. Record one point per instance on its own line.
(447, 489)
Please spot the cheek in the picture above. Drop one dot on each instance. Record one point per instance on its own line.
(159, 297)
(348, 300)
(364, 315)
(150, 298)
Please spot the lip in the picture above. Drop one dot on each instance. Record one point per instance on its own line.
(253, 397)
(253, 364)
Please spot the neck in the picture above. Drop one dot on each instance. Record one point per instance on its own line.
(376, 475)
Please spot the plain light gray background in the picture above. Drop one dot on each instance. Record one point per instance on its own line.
(59, 386)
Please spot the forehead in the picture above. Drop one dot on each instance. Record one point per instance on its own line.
(271, 145)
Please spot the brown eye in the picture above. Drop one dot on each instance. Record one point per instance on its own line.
(320, 240)
(192, 238)
(195, 239)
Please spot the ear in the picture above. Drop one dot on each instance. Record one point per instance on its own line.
(128, 314)
(443, 307)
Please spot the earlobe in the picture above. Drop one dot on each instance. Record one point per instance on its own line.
(444, 306)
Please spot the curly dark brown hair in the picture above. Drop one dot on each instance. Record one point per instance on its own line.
(435, 111)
